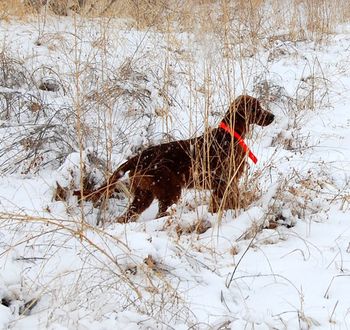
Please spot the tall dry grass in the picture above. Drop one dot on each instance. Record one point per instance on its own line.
(297, 18)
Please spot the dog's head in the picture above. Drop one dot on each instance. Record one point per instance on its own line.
(246, 110)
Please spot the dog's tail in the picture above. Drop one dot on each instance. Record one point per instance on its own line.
(109, 186)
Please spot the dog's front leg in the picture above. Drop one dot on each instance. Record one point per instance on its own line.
(224, 196)
(216, 197)
(214, 204)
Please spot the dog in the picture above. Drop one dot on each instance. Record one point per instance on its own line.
(214, 161)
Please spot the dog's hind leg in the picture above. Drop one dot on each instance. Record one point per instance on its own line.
(141, 201)
(168, 198)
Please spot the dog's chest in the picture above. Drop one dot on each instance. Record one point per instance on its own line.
(217, 153)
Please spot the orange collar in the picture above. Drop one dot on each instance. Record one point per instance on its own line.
(239, 140)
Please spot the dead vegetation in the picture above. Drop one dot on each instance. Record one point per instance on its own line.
(255, 19)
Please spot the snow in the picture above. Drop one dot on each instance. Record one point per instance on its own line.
(84, 271)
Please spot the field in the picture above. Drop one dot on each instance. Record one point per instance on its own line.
(84, 85)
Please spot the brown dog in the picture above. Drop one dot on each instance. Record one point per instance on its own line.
(212, 161)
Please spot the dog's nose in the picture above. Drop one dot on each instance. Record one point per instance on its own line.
(270, 118)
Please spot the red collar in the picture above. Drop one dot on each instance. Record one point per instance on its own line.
(239, 140)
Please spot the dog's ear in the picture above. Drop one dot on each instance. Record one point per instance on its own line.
(250, 108)
(241, 107)
(246, 104)
(244, 111)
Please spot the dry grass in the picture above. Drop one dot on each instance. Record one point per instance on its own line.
(298, 19)
(12, 8)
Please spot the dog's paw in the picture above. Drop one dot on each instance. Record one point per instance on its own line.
(213, 207)
(122, 219)
(127, 218)
(200, 227)
(162, 214)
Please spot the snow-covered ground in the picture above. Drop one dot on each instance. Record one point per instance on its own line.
(123, 89)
